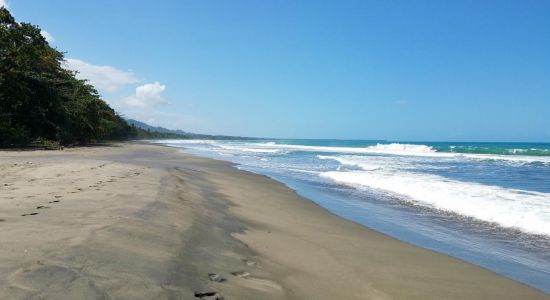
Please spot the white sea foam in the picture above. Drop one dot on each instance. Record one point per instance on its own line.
(394, 149)
(524, 210)
(249, 148)
(365, 164)
(404, 150)
(508, 158)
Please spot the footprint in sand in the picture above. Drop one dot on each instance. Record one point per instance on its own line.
(216, 277)
(54, 201)
(43, 277)
(42, 207)
(57, 196)
(208, 295)
(30, 214)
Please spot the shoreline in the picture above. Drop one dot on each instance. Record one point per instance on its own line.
(143, 221)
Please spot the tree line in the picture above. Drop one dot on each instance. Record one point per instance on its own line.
(42, 102)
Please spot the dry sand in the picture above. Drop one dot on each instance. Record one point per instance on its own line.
(144, 222)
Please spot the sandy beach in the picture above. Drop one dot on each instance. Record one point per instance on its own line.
(136, 221)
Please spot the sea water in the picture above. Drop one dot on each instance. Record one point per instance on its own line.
(485, 203)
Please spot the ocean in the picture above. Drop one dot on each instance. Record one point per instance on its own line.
(484, 203)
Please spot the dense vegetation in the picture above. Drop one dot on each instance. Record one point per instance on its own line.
(40, 101)
(44, 104)
(151, 135)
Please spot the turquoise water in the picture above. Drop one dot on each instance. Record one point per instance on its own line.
(485, 203)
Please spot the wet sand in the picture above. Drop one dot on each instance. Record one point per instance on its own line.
(136, 221)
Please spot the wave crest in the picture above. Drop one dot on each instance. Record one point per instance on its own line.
(524, 210)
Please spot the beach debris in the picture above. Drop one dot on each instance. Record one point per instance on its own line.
(241, 274)
(208, 295)
(30, 214)
(249, 262)
(216, 277)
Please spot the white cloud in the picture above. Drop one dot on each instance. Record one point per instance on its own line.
(4, 3)
(147, 95)
(49, 38)
(104, 78)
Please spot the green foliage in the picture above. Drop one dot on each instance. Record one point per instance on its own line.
(41, 101)
(45, 143)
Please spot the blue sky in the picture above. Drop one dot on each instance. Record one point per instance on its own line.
(397, 70)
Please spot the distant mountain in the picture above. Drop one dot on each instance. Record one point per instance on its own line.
(161, 132)
(148, 127)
